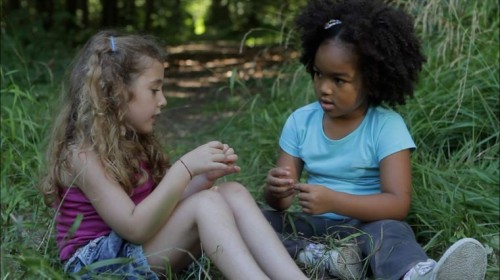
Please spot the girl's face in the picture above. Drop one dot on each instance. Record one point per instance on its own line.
(338, 80)
(147, 98)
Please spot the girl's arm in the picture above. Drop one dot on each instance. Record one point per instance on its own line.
(392, 203)
(279, 190)
(138, 223)
(198, 184)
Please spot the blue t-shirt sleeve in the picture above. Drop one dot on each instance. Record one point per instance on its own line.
(289, 140)
(393, 137)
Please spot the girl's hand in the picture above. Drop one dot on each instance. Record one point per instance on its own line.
(213, 156)
(313, 198)
(279, 184)
(231, 158)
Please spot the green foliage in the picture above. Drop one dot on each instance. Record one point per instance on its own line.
(453, 119)
(24, 217)
(174, 21)
(27, 93)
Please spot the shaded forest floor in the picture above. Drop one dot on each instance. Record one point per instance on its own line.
(197, 78)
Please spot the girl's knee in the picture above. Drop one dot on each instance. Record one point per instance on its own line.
(232, 189)
(396, 226)
(385, 224)
(208, 197)
(388, 228)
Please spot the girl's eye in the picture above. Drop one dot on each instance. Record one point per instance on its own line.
(316, 73)
(155, 91)
(339, 81)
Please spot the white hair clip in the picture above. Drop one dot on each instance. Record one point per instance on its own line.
(332, 23)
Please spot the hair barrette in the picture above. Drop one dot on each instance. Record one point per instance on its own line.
(112, 41)
(332, 23)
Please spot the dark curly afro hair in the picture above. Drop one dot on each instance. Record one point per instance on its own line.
(384, 37)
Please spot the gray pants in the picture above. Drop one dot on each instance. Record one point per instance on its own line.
(389, 245)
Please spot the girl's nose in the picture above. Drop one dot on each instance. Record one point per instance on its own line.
(325, 87)
(163, 100)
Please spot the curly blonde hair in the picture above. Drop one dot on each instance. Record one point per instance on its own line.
(94, 107)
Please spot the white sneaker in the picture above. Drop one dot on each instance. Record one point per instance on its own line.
(466, 259)
(343, 262)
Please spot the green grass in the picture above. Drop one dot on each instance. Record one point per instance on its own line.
(453, 119)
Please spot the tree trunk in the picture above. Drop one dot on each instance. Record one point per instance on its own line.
(12, 5)
(130, 12)
(84, 6)
(109, 13)
(148, 11)
(70, 22)
(219, 16)
(45, 9)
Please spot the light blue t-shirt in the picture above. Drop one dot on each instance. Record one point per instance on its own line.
(351, 164)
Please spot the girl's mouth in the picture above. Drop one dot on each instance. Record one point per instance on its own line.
(326, 105)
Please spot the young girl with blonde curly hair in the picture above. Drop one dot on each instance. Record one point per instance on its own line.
(122, 208)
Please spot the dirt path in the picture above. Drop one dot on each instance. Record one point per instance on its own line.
(197, 76)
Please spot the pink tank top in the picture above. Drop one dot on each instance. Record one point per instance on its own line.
(91, 226)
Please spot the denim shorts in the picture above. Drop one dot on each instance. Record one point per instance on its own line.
(109, 257)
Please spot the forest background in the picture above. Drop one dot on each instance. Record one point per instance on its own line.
(233, 75)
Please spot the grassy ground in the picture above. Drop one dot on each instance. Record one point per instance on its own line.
(453, 118)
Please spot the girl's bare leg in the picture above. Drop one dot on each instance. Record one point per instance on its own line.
(204, 217)
(259, 236)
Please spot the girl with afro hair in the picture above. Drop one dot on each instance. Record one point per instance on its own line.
(364, 58)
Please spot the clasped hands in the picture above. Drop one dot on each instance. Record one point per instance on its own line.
(312, 198)
(213, 160)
